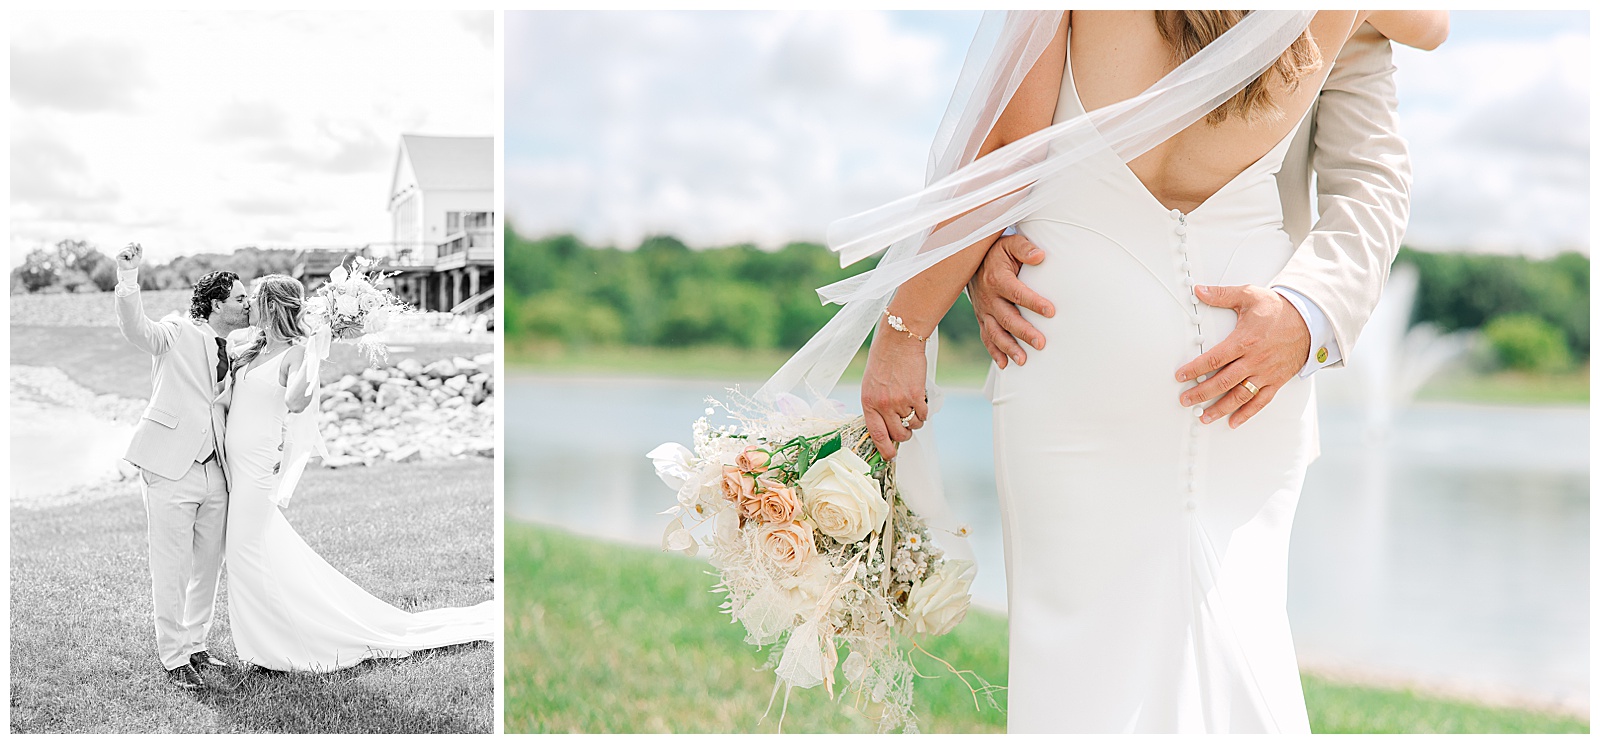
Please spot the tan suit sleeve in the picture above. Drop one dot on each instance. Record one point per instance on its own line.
(1363, 176)
(150, 336)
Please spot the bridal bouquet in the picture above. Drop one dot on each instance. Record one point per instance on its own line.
(354, 307)
(814, 547)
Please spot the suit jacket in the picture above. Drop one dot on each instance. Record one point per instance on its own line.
(184, 408)
(1352, 144)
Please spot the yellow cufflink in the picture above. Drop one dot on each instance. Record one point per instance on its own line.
(1322, 355)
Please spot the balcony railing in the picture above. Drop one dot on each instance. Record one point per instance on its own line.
(465, 240)
(473, 244)
(402, 255)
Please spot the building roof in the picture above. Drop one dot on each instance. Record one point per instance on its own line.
(447, 163)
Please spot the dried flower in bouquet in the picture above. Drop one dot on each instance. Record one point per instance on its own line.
(354, 307)
(815, 548)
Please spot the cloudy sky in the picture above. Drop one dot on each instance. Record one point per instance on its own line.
(724, 127)
(208, 131)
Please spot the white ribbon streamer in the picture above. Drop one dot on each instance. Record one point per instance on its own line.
(302, 439)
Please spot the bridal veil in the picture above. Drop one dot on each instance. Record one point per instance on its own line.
(980, 197)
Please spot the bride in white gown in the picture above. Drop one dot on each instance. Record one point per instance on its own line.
(1146, 550)
(287, 608)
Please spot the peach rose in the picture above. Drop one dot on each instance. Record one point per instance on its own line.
(753, 460)
(736, 486)
(778, 503)
(750, 508)
(789, 545)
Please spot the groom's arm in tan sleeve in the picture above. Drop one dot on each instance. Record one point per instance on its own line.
(1333, 278)
(150, 336)
(1363, 194)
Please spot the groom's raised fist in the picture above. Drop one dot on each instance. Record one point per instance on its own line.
(129, 257)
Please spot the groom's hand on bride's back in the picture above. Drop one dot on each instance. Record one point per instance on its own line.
(1268, 346)
(996, 291)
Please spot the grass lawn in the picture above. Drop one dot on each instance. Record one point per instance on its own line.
(83, 653)
(1510, 388)
(607, 638)
(100, 359)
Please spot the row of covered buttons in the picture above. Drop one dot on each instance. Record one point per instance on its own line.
(1182, 231)
(1191, 478)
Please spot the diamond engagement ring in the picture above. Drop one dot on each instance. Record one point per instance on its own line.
(906, 419)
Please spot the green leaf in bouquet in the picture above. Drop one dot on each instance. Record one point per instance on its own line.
(829, 447)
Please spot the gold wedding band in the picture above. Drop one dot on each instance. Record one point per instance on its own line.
(1251, 387)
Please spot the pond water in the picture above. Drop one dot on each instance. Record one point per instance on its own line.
(56, 449)
(1454, 552)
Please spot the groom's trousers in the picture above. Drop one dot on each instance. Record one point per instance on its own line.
(187, 518)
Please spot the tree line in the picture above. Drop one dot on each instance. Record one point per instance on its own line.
(1535, 313)
(79, 266)
(663, 293)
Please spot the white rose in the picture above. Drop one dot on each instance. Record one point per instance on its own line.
(370, 300)
(377, 320)
(346, 305)
(939, 602)
(845, 503)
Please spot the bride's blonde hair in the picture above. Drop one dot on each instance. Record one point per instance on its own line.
(275, 310)
(1189, 31)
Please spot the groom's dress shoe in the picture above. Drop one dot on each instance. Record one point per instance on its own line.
(185, 678)
(203, 660)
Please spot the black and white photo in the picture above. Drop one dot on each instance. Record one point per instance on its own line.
(252, 315)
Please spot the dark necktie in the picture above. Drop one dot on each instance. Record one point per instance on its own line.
(222, 358)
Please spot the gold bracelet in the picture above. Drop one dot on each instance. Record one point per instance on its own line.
(896, 323)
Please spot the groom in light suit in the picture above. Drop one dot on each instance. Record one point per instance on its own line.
(1316, 306)
(178, 448)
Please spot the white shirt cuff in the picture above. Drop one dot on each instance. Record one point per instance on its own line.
(127, 281)
(1324, 347)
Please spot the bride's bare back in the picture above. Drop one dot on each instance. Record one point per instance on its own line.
(1118, 54)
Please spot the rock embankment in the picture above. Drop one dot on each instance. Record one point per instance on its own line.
(411, 411)
(407, 411)
(52, 386)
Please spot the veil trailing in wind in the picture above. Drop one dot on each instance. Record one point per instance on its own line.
(980, 197)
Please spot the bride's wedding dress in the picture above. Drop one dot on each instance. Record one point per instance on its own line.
(287, 608)
(1145, 551)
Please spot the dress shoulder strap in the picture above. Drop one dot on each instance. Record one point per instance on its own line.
(259, 365)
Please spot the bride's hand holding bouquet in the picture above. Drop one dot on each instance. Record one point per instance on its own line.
(894, 399)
